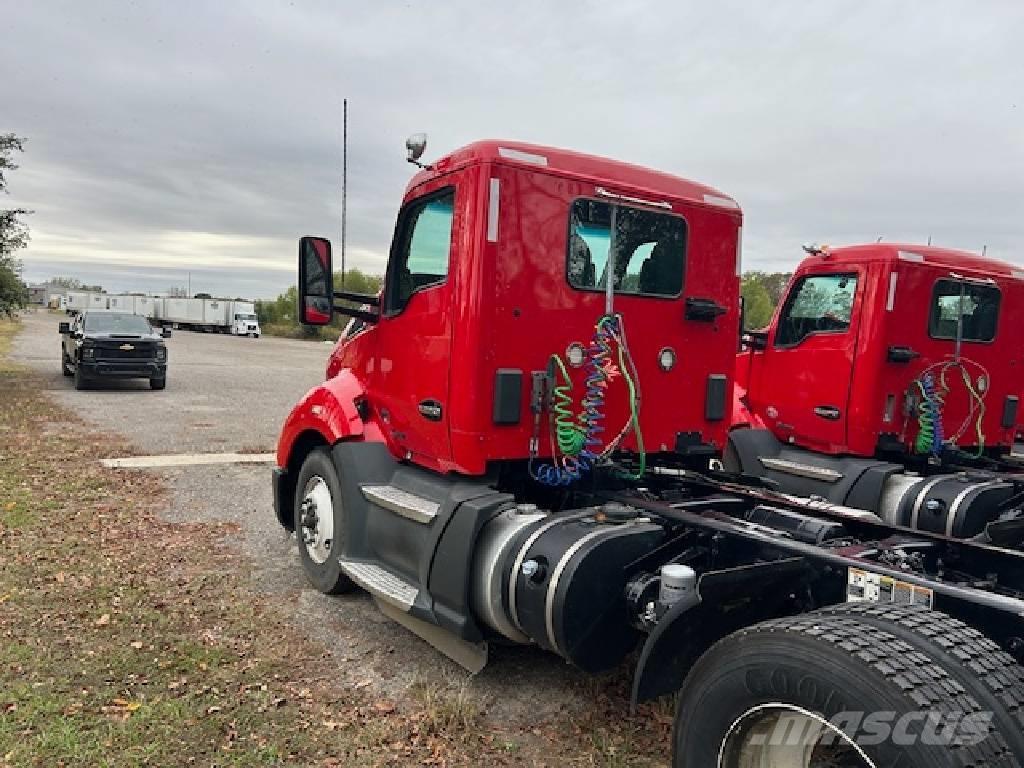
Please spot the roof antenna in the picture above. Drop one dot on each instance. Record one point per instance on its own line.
(879, 239)
(929, 239)
(344, 181)
(984, 250)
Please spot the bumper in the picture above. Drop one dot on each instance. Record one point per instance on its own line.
(124, 369)
(282, 485)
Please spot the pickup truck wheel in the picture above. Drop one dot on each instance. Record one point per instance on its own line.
(987, 672)
(81, 382)
(320, 523)
(65, 364)
(158, 383)
(819, 691)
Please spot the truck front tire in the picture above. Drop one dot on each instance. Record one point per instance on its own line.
(81, 382)
(160, 383)
(319, 523)
(818, 689)
(65, 365)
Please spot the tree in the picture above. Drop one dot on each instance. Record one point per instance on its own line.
(68, 283)
(14, 233)
(757, 303)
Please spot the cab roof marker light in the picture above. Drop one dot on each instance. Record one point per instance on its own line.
(603, 192)
(910, 256)
(724, 202)
(524, 157)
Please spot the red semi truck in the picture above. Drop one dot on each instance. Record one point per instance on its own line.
(890, 379)
(518, 442)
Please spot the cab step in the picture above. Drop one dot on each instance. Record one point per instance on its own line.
(402, 503)
(381, 583)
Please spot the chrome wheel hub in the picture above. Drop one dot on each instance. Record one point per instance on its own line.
(786, 736)
(317, 519)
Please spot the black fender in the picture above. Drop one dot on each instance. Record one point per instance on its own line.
(730, 600)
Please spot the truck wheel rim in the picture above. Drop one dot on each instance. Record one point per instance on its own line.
(317, 519)
(786, 736)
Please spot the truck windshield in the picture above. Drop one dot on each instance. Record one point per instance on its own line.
(116, 323)
(650, 249)
(246, 318)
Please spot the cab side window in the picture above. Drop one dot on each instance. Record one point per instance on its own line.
(422, 248)
(816, 304)
(972, 307)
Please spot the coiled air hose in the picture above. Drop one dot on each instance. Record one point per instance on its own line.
(578, 439)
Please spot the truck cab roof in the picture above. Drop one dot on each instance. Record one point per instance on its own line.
(892, 253)
(564, 162)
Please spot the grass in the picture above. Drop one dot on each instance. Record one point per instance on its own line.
(126, 640)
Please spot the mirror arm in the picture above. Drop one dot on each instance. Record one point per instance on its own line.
(361, 314)
(362, 298)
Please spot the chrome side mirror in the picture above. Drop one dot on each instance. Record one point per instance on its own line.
(415, 146)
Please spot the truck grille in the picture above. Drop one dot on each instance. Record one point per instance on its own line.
(112, 351)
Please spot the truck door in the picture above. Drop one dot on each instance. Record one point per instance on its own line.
(800, 385)
(410, 380)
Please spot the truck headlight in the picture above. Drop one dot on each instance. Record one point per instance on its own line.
(88, 353)
(161, 353)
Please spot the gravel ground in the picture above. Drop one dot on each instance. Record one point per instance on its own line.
(232, 394)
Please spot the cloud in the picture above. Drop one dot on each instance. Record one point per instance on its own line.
(167, 138)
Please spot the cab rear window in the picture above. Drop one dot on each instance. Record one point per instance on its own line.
(649, 249)
(973, 307)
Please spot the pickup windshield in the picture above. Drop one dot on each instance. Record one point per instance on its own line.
(113, 323)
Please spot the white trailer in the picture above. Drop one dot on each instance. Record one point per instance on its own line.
(185, 313)
(146, 306)
(77, 301)
(121, 303)
(215, 314)
(97, 301)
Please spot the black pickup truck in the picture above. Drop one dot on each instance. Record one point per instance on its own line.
(100, 345)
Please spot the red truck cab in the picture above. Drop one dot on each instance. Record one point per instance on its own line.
(497, 262)
(862, 330)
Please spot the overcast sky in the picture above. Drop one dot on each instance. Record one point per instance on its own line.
(168, 138)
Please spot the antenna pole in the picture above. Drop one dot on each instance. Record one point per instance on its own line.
(344, 181)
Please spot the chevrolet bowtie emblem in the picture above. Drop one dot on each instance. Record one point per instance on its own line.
(127, 347)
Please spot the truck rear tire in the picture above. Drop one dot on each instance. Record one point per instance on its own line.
(985, 671)
(820, 689)
(319, 523)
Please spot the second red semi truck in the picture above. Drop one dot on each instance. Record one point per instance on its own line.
(527, 438)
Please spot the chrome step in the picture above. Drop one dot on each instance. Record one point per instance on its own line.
(402, 502)
(381, 583)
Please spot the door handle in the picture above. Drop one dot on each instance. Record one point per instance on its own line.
(703, 310)
(829, 412)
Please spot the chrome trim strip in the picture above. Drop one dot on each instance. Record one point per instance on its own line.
(955, 506)
(514, 576)
(603, 192)
(919, 501)
(549, 600)
(802, 470)
(492, 210)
